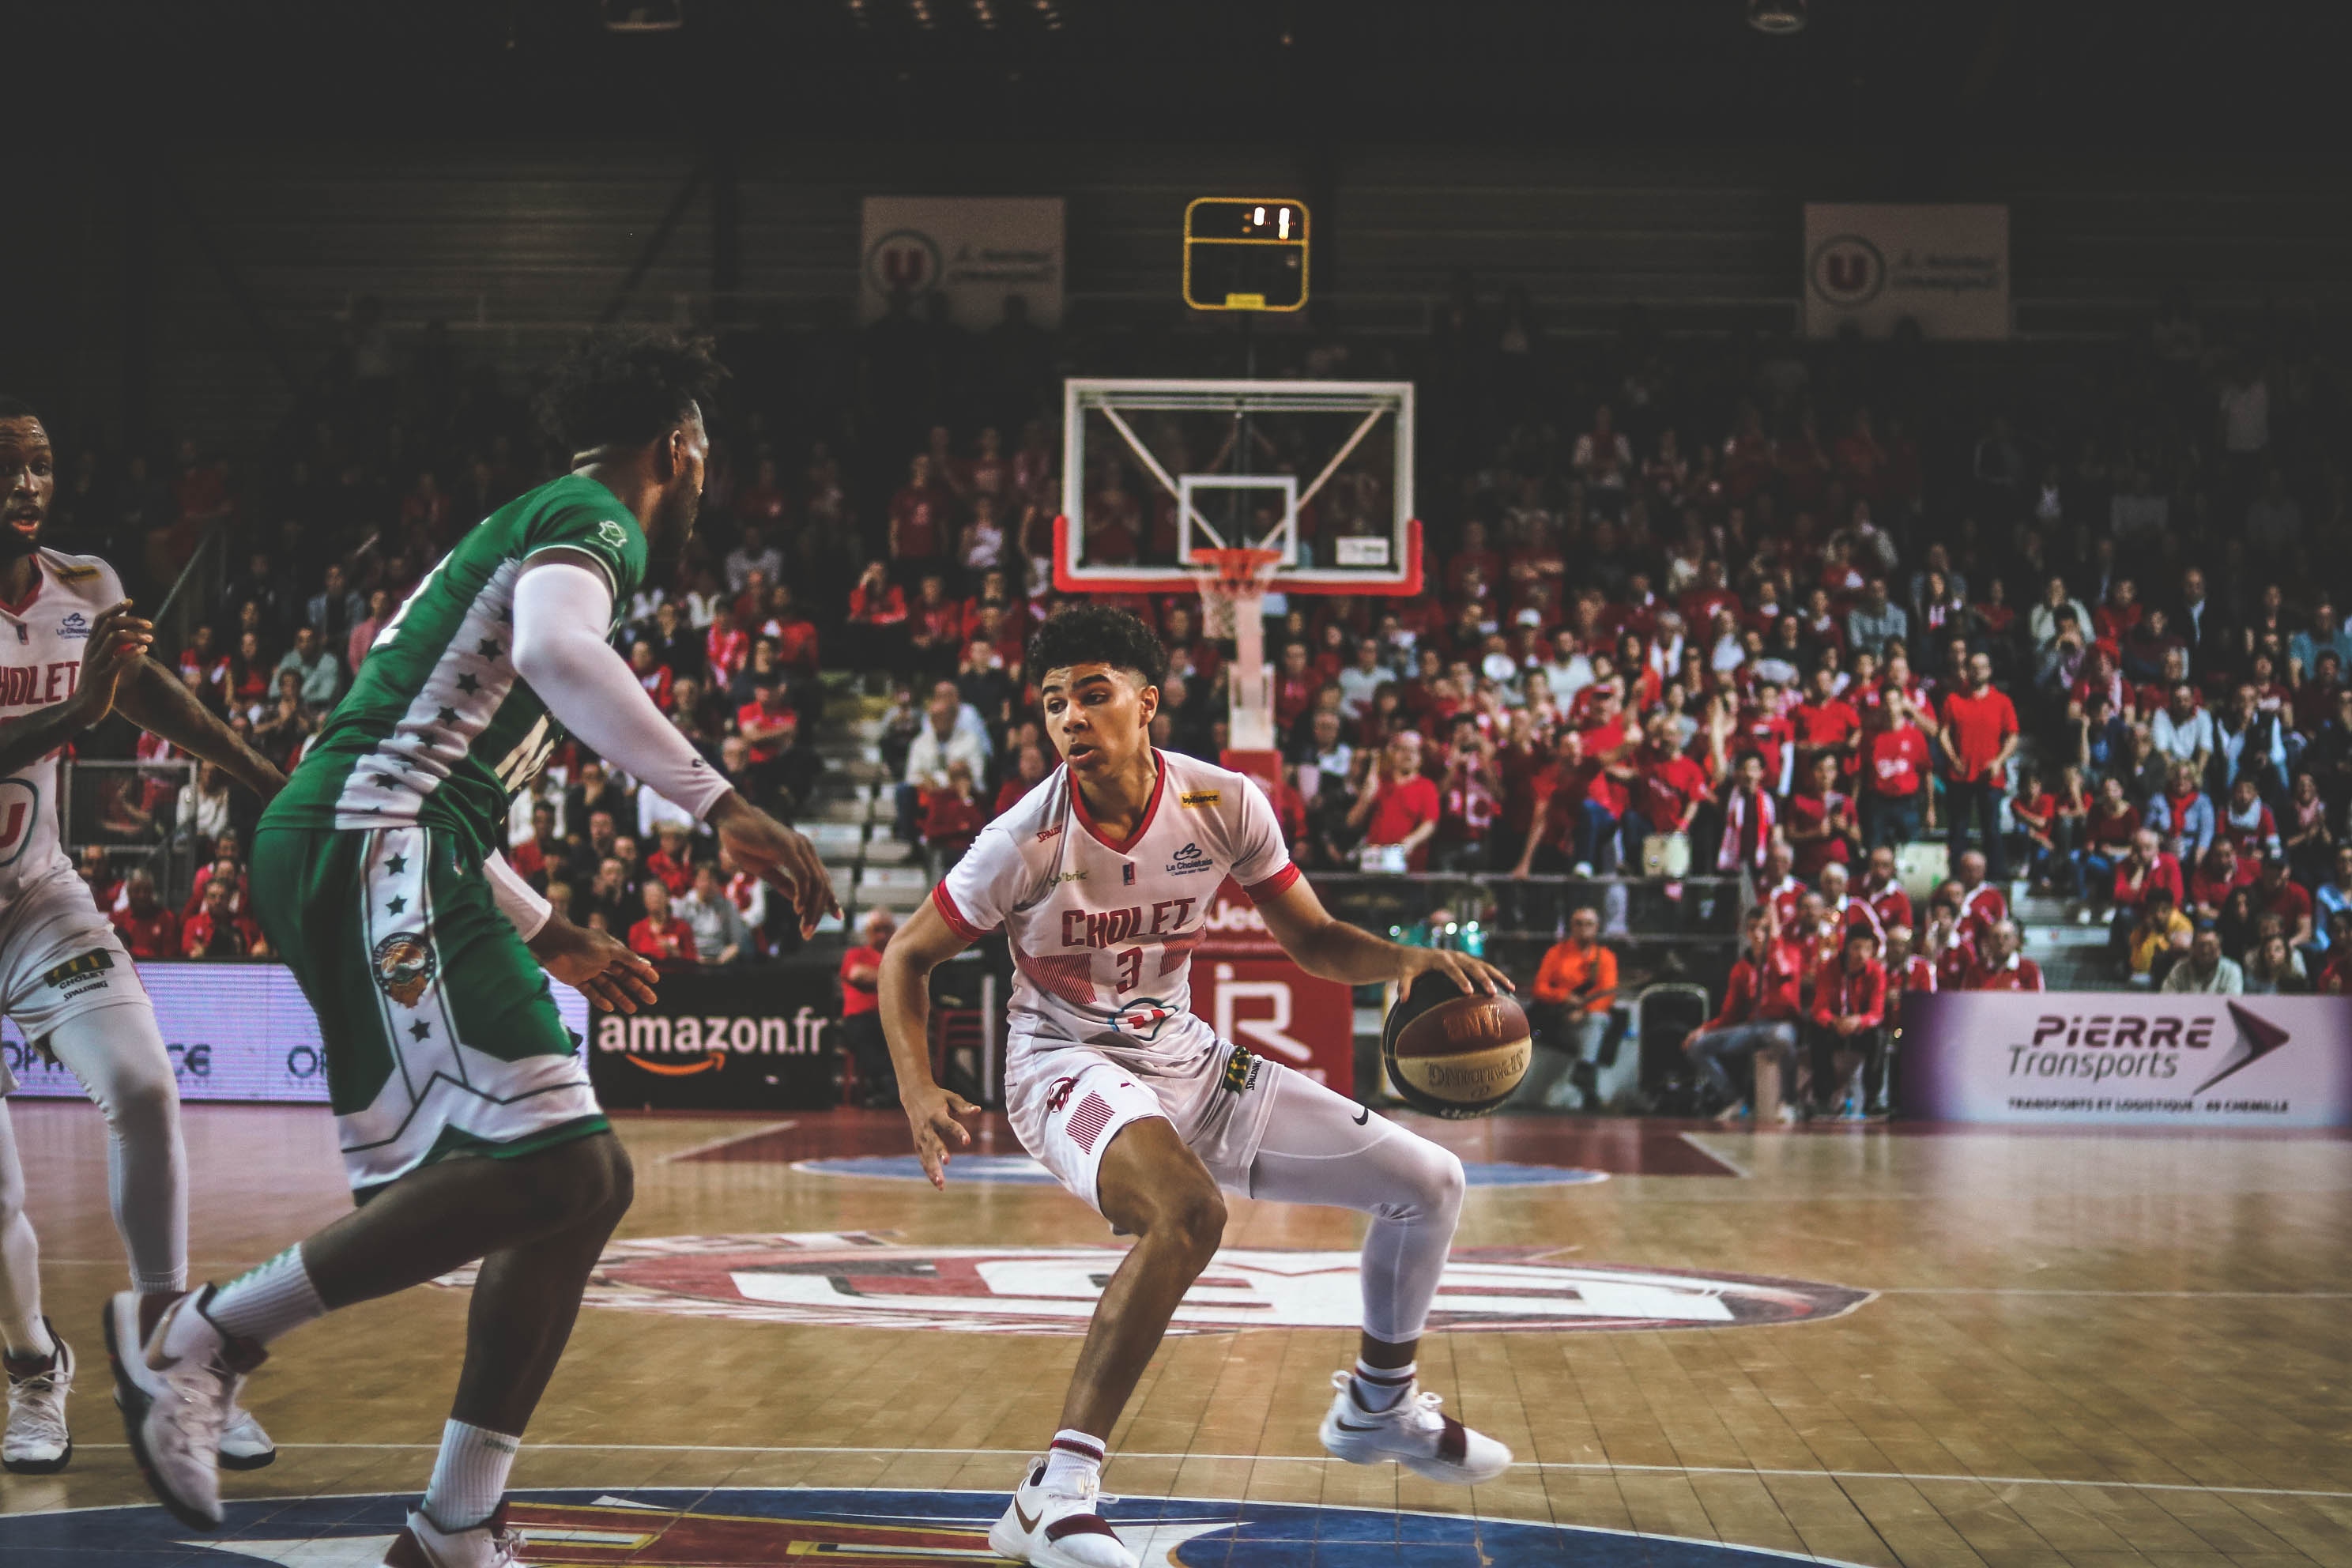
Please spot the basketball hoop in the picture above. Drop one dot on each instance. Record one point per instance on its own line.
(1233, 584)
(1232, 581)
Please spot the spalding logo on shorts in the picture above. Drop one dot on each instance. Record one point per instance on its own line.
(404, 968)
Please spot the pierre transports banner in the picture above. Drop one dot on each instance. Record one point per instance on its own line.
(974, 250)
(1946, 267)
(236, 1031)
(2128, 1058)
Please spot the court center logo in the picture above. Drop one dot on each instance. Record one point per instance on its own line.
(851, 1528)
(1846, 270)
(856, 1280)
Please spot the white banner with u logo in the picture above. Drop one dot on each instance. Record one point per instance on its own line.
(971, 250)
(236, 1031)
(1944, 265)
(2123, 1058)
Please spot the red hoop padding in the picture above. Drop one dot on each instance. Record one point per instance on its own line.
(1410, 588)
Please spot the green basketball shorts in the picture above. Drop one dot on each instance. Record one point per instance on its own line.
(442, 1038)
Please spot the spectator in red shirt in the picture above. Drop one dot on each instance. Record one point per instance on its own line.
(766, 723)
(653, 676)
(935, 627)
(1821, 822)
(1882, 890)
(2148, 865)
(876, 629)
(1747, 817)
(145, 926)
(1397, 804)
(2004, 966)
(861, 1011)
(725, 647)
(1848, 1024)
(794, 635)
(1671, 787)
(1556, 792)
(661, 936)
(2217, 875)
(1760, 1014)
(2108, 829)
(918, 519)
(218, 931)
(1029, 771)
(1906, 971)
(2276, 893)
(2247, 823)
(1825, 721)
(1981, 903)
(673, 864)
(954, 817)
(1979, 734)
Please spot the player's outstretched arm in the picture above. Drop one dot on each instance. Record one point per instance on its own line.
(562, 606)
(904, 989)
(159, 702)
(117, 639)
(1326, 946)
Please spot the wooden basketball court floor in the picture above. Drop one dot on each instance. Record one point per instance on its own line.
(2083, 1349)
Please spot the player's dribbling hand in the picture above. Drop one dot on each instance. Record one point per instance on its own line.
(1473, 975)
(118, 640)
(777, 856)
(595, 965)
(931, 1113)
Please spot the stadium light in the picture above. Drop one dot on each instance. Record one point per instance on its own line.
(642, 15)
(1777, 17)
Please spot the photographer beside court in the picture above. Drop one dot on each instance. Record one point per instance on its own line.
(1575, 989)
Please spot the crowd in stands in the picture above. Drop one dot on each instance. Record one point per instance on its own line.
(1740, 607)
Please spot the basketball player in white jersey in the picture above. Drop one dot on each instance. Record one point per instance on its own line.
(1102, 878)
(71, 652)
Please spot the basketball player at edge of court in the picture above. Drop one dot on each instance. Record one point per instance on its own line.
(72, 651)
(1102, 876)
(468, 1125)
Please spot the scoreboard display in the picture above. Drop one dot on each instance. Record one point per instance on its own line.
(1244, 253)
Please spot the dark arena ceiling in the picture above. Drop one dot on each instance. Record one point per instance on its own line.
(2262, 76)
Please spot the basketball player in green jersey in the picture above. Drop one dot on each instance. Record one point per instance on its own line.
(468, 1125)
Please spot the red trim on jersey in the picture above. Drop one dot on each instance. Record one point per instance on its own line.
(944, 901)
(40, 580)
(1273, 887)
(1150, 810)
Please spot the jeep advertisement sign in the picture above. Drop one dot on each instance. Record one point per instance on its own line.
(2124, 1059)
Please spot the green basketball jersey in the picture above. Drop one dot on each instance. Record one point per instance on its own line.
(437, 729)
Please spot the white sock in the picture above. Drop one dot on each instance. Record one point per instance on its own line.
(32, 1343)
(1074, 1458)
(1379, 1387)
(469, 1476)
(273, 1300)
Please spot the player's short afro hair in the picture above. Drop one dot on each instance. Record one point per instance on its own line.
(625, 387)
(1097, 634)
(16, 408)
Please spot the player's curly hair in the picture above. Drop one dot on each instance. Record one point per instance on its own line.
(1097, 634)
(625, 387)
(16, 408)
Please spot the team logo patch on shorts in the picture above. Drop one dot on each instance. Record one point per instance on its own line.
(404, 966)
(73, 968)
(1241, 1070)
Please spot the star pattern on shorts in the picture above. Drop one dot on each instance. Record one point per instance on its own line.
(446, 715)
(466, 682)
(489, 647)
(396, 865)
(419, 1031)
(394, 906)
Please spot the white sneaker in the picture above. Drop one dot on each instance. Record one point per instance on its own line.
(244, 1445)
(1412, 1433)
(38, 1443)
(173, 1409)
(425, 1544)
(1057, 1528)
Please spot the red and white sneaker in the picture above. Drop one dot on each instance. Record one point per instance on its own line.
(1057, 1528)
(1410, 1432)
(425, 1544)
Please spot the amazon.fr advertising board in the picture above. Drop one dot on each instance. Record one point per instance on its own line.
(2127, 1060)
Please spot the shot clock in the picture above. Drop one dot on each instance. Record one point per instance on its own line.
(1244, 254)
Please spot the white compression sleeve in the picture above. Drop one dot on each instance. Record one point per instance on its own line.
(560, 615)
(517, 900)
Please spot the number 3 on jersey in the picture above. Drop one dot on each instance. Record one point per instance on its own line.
(1130, 968)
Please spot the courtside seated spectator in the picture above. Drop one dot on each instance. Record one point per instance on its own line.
(1574, 991)
(1762, 1008)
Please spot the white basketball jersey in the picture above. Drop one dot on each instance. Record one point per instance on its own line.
(1103, 932)
(41, 643)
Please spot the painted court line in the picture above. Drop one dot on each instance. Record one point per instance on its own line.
(731, 1139)
(1594, 1469)
(1725, 1161)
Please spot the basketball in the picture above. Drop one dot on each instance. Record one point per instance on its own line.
(1453, 1054)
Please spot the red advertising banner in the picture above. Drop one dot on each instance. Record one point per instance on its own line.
(1247, 989)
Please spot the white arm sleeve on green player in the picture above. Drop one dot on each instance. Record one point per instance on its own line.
(561, 614)
(517, 900)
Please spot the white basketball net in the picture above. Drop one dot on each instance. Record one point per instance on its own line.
(1233, 584)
